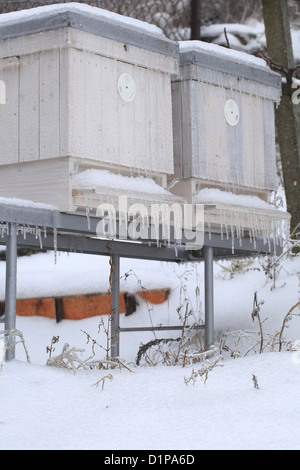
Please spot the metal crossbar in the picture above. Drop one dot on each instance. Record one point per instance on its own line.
(160, 328)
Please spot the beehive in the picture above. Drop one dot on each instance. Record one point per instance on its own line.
(83, 88)
(224, 136)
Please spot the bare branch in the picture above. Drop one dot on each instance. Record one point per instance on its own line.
(226, 38)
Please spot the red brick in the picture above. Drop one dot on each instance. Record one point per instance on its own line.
(157, 296)
(86, 306)
(78, 307)
(44, 307)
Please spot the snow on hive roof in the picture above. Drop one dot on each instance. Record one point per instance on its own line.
(215, 50)
(210, 56)
(86, 18)
(43, 11)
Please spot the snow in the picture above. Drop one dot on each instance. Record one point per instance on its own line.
(214, 195)
(99, 179)
(14, 201)
(152, 408)
(218, 51)
(234, 28)
(246, 38)
(44, 11)
(296, 44)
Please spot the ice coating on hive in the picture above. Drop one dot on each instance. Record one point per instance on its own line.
(242, 216)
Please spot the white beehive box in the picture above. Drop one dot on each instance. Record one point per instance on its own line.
(224, 136)
(83, 88)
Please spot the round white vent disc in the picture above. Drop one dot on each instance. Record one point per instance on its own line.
(231, 112)
(126, 87)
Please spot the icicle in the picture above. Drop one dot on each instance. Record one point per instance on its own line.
(40, 239)
(232, 231)
(87, 211)
(221, 219)
(55, 244)
(209, 225)
(238, 227)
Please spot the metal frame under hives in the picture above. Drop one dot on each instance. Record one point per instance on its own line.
(77, 233)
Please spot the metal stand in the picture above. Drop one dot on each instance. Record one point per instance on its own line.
(11, 288)
(209, 296)
(72, 233)
(115, 305)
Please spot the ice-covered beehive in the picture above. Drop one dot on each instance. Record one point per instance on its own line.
(224, 138)
(82, 88)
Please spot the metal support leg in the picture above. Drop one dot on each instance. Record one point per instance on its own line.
(115, 305)
(11, 287)
(209, 296)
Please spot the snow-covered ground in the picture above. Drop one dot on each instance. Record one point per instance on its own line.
(152, 407)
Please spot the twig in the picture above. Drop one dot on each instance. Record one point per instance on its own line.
(255, 314)
(157, 341)
(203, 371)
(277, 67)
(286, 319)
(226, 38)
(255, 383)
(108, 376)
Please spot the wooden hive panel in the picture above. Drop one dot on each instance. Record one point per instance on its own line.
(49, 102)
(63, 98)
(206, 147)
(32, 118)
(105, 128)
(9, 112)
(62, 110)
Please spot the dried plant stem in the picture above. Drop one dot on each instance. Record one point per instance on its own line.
(255, 314)
(286, 319)
(203, 371)
(8, 335)
(102, 380)
(144, 347)
(255, 382)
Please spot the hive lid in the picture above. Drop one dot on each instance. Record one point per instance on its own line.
(219, 58)
(89, 19)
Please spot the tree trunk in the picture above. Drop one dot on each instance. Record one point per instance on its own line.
(195, 20)
(279, 45)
